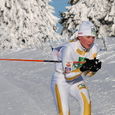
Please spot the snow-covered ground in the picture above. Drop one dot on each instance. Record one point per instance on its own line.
(25, 86)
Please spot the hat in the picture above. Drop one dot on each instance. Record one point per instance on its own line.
(87, 28)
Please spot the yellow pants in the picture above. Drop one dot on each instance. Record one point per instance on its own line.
(62, 90)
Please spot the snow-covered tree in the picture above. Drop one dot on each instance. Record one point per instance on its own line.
(100, 12)
(26, 23)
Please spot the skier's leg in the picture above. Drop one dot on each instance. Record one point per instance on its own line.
(62, 100)
(80, 92)
(60, 93)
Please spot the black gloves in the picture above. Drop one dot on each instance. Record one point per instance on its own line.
(91, 65)
(96, 66)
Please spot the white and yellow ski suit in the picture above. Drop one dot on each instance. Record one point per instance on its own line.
(67, 79)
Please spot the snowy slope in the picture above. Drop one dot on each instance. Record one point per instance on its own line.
(25, 86)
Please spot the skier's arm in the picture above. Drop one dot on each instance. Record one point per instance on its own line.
(67, 64)
(97, 63)
(91, 67)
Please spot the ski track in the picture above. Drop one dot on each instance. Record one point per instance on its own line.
(25, 86)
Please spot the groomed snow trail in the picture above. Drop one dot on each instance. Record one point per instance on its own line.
(25, 86)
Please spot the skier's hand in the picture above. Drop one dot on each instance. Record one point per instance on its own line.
(91, 65)
(87, 65)
(96, 65)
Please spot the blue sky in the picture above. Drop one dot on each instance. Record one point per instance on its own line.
(59, 6)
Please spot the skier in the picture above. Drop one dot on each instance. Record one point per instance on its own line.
(67, 79)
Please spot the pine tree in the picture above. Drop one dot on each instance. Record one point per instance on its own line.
(26, 23)
(100, 12)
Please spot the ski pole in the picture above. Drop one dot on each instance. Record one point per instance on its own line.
(28, 60)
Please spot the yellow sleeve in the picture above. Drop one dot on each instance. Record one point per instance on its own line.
(94, 55)
(89, 73)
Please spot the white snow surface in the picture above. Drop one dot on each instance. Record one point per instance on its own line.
(25, 86)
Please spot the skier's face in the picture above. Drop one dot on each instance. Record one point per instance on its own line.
(86, 41)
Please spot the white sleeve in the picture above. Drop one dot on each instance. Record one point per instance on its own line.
(67, 64)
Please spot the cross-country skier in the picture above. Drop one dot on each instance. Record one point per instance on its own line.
(67, 79)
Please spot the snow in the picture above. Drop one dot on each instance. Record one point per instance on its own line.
(25, 86)
(26, 24)
(20, 94)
